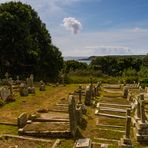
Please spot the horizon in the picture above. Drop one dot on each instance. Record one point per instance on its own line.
(95, 27)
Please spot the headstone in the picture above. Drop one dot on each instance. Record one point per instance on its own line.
(125, 92)
(29, 81)
(6, 77)
(88, 95)
(80, 94)
(5, 93)
(22, 120)
(142, 111)
(42, 86)
(18, 80)
(84, 109)
(125, 142)
(72, 115)
(23, 90)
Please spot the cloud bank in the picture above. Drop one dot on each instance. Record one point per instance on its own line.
(72, 24)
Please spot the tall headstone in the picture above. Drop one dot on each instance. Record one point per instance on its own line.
(72, 115)
(80, 94)
(29, 81)
(88, 95)
(125, 142)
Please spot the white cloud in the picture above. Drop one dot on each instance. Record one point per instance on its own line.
(72, 24)
(123, 41)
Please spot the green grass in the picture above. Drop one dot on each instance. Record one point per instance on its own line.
(7, 129)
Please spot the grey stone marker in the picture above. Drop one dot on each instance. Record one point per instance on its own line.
(127, 128)
(88, 95)
(5, 93)
(29, 81)
(142, 111)
(18, 80)
(72, 115)
(125, 92)
(80, 94)
(6, 77)
(125, 142)
(23, 90)
(22, 120)
(42, 86)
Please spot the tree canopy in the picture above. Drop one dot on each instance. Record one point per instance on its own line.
(25, 43)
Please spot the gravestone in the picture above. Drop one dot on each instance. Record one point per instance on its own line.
(72, 115)
(23, 90)
(6, 77)
(88, 95)
(125, 142)
(5, 93)
(31, 88)
(17, 80)
(80, 94)
(22, 120)
(42, 86)
(125, 92)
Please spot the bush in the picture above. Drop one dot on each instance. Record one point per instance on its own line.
(1, 102)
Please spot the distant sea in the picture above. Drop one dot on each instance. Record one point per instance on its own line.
(79, 59)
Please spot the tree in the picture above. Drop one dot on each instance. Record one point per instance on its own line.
(25, 44)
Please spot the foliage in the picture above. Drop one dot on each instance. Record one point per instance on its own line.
(115, 65)
(25, 43)
(72, 65)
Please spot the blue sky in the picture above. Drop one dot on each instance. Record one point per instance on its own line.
(95, 27)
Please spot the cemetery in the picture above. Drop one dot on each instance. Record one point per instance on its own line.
(73, 115)
(47, 101)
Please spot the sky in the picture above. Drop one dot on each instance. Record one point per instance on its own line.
(95, 27)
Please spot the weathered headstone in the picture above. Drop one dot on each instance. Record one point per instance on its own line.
(80, 94)
(17, 80)
(6, 77)
(125, 92)
(72, 115)
(23, 89)
(29, 81)
(125, 142)
(5, 93)
(88, 95)
(42, 86)
(22, 120)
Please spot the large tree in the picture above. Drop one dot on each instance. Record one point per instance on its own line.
(25, 44)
